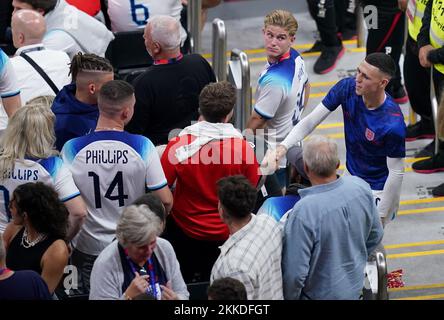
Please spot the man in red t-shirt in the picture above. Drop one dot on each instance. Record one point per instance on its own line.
(202, 154)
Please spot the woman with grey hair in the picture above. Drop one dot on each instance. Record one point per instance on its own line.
(139, 262)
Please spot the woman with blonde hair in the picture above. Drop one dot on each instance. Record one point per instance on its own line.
(27, 154)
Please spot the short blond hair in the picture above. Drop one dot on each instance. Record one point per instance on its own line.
(283, 19)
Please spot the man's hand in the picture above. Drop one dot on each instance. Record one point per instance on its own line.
(270, 163)
(423, 54)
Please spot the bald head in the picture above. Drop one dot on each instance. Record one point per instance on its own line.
(28, 27)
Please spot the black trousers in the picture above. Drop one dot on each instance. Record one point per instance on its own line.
(417, 82)
(388, 37)
(324, 14)
(196, 257)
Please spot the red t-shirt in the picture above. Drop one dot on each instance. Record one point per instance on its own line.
(195, 197)
(91, 7)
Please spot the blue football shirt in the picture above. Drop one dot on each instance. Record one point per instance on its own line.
(370, 135)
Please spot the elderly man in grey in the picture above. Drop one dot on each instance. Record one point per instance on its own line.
(139, 264)
(167, 93)
(330, 232)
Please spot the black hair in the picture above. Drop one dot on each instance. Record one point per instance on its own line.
(45, 5)
(227, 289)
(154, 203)
(237, 196)
(88, 62)
(383, 62)
(116, 91)
(45, 212)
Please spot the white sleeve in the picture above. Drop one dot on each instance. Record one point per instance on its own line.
(155, 177)
(306, 126)
(64, 184)
(8, 79)
(391, 194)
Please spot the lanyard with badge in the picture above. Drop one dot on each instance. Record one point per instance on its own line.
(154, 287)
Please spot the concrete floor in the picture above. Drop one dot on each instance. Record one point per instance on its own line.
(414, 241)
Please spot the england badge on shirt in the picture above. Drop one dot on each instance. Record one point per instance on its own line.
(369, 134)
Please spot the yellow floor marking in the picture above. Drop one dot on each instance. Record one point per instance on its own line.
(416, 211)
(418, 201)
(414, 254)
(413, 244)
(421, 287)
(434, 296)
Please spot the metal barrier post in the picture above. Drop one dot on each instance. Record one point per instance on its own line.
(382, 276)
(194, 24)
(360, 26)
(219, 49)
(239, 76)
(434, 102)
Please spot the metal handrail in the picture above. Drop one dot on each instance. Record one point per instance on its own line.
(243, 109)
(360, 26)
(194, 24)
(434, 102)
(219, 49)
(381, 264)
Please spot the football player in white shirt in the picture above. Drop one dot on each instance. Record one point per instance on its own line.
(9, 91)
(27, 155)
(112, 168)
(132, 15)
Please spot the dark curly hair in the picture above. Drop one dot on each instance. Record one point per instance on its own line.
(216, 100)
(237, 196)
(46, 213)
(227, 289)
(88, 62)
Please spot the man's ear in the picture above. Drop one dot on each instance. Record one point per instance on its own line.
(91, 88)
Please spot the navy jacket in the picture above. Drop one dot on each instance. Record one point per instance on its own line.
(73, 118)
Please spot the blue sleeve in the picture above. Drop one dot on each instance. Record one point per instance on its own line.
(337, 95)
(376, 232)
(395, 142)
(296, 254)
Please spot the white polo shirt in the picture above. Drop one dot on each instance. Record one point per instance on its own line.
(31, 83)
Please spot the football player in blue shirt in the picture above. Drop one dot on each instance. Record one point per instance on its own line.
(374, 130)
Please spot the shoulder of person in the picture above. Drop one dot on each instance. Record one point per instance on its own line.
(10, 233)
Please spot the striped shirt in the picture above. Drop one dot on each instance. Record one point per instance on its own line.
(252, 255)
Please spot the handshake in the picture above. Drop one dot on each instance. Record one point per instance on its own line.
(270, 163)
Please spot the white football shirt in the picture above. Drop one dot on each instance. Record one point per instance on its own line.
(111, 169)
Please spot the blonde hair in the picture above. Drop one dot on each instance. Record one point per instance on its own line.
(43, 100)
(283, 19)
(30, 133)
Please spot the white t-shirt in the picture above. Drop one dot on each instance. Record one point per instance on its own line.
(112, 169)
(280, 96)
(8, 85)
(31, 83)
(50, 171)
(132, 15)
